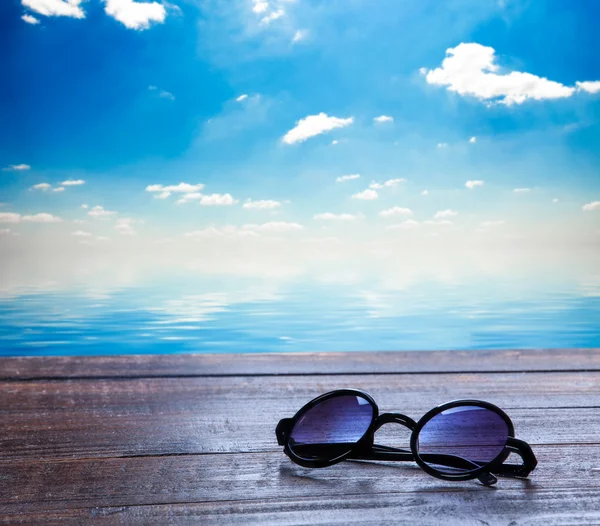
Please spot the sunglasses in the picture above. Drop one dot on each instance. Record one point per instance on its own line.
(460, 440)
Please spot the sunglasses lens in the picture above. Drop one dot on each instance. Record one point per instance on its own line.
(331, 428)
(462, 439)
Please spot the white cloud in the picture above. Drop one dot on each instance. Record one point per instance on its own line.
(386, 184)
(329, 216)
(473, 184)
(350, 177)
(275, 226)
(59, 189)
(470, 69)
(521, 190)
(486, 224)
(242, 97)
(396, 211)
(166, 95)
(9, 217)
(55, 7)
(594, 205)
(299, 35)
(393, 182)
(182, 188)
(41, 218)
(409, 223)
(17, 168)
(30, 19)
(84, 206)
(98, 211)
(589, 86)
(334, 142)
(442, 145)
(41, 186)
(314, 125)
(473, 140)
(217, 199)
(383, 118)
(260, 6)
(81, 233)
(445, 213)
(274, 15)
(425, 192)
(73, 182)
(135, 15)
(263, 204)
(555, 200)
(367, 195)
(186, 198)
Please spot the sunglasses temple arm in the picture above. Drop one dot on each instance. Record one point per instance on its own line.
(523, 449)
(377, 452)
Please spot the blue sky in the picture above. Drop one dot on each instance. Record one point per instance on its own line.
(466, 120)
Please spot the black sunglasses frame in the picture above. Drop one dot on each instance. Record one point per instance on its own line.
(366, 449)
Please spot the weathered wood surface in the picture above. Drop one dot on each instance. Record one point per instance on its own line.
(151, 441)
(300, 363)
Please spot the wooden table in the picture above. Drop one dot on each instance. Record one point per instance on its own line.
(190, 439)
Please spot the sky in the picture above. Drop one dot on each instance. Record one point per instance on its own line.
(273, 133)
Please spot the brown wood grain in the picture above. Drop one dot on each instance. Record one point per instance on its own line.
(300, 363)
(136, 481)
(556, 507)
(105, 418)
(190, 439)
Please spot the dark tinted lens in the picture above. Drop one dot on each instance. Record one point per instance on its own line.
(331, 428)
(462, 439)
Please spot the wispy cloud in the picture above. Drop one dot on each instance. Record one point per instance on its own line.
(17, 168)
(383, 118)
(473, 140)
(473, 184)
(329, 216)
(124, 225)
(386, 184)
(299, 35)
(314, 125)
(521, 190)
(367, 195)
(471, 69)
(350, 177)
(274, 15)
(163, 191)
(242, 97)
(396, 211)
(442, 145)
(41, 186)
(264, 204)
(99, 212)
(486, 224)
(81, 233)
(73, 182)
(42, 217)
(68, 8)
(442, 214)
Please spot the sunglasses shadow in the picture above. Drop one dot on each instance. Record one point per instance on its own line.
(329, 477)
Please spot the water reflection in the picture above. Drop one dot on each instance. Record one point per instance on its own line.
(381, 301)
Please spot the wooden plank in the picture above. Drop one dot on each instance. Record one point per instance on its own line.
(59, 485)
(106, 418)
(564, 507)
(300, 363)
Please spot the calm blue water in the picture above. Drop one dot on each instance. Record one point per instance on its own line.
(214, 315)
